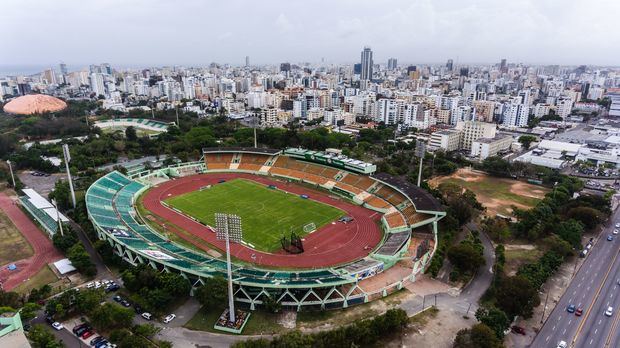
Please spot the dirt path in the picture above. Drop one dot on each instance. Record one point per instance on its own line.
(44, 250)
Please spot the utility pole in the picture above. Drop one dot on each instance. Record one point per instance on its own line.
(11, 170)
(67, 155)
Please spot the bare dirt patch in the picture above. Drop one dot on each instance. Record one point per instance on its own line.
(498, 195)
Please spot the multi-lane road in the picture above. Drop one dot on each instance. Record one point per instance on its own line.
(593, 288)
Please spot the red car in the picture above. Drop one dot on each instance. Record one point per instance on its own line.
(87, 334)
(518, 329)
(579, 312)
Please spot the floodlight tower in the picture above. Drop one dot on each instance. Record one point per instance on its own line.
(420, 150)
(67, 155)
(228, 227)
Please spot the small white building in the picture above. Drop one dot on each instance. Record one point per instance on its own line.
(487, 147)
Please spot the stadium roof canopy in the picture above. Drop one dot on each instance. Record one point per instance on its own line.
(421, 198)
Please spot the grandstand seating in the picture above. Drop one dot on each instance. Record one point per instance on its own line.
(395, 220)
(393, 243)
(42, 217)
(218, 160)
(377, 202)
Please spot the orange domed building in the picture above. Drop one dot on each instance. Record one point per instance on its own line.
(34, 104)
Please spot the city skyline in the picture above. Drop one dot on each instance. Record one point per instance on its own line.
(166, 33)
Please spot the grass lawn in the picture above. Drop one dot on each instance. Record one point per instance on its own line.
(13, 245)
(266, 214)
(44, 276)
(518, 257)
(260, 322)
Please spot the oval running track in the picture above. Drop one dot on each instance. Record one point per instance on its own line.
(331, 245)
(44, 250)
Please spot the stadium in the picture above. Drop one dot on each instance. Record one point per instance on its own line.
(320, 230)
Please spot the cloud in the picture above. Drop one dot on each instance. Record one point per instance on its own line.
(414, 31)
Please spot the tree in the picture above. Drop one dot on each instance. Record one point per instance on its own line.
(81, 260)
(516, 296)
(213, 293)
(479, 336)
(571, 231)
(494, 318)
(131, 134)
(28, 311)
(62, 194)
(41, 337)
(465, 257)
(146, 330)
(111, 316)
(590, 217)
(526, 140)
(88, 300)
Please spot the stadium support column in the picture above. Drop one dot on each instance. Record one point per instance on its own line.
(67, 155)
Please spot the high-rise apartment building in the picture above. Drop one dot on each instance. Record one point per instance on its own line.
(473, 130)
(392, 63)
(366, 61)
(247, 61)
(97, 84)
(450, 65)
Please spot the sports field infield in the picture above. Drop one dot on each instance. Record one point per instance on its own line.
(266, 214)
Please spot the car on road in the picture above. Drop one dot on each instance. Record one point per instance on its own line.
(579, 312)
(169, 318)
(570, 308)
(562, 344)
(610, 311)
(147, 316)
(58, 326)
(610, 238)
(518, 329)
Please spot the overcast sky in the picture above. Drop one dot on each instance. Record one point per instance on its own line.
(158, 32)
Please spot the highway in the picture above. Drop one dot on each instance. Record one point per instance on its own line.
(594, 283)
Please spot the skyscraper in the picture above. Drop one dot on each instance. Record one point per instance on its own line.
(247, 60)
(392, 63)
(63, 68)
(366, 73)
(503, 67)
(450, 64)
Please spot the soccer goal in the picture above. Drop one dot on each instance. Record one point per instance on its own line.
(309, 228)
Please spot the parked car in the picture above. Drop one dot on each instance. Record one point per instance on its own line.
(518, 329)
(147, 316)
(49, 319)
(96, 340)
(610, 238)
(137, 308)
(169, 318)
(112, 287)
(87, 334)
(58, 326)
(101, 343)
(79, 327)
(117, 298)
(125, 303)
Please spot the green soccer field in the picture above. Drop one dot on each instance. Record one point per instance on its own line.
(266, 214)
